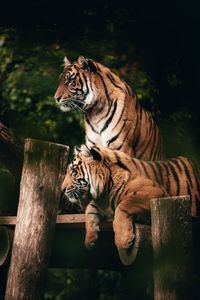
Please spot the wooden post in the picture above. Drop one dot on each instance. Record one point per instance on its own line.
(172, 245)
(42, 175)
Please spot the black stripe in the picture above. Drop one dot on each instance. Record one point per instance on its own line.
(86, 83)
(159, 170)
(165, 165)
(160, 150)
(138, 124)
(120, 118)
(196, 175)
(112, 80)
(154, 170)
(175, 161)
(112, 204)
(176, 178)
(144, 168)
(151, 122)
(186, 171)
(120, 164)
(105, 88)
(128, 88)
(93, 205)
(110, 118)
(89, 140)
(124, 139)
(136, 103)
(91, 108)
(145, 148)
(134, 161)
(158, 147)
(117, 135)
(122, 190)
(88, 122)
(97, 66)
(101, 103)
(125, 211)
(81, 83)
(154, 141)
(108, 111)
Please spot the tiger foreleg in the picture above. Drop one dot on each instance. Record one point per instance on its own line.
(135, 202)
(123, 228)
(92, 223)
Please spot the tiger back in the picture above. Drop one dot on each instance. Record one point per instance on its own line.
(113, 115)
(122, 187)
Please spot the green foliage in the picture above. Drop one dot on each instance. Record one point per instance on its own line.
(28, 81)
(66, 284)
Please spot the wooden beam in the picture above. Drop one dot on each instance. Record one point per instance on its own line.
(65, 221)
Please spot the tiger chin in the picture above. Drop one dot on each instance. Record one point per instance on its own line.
(121, 187)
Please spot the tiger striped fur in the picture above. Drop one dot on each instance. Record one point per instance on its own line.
(112, 113)
(120, 186)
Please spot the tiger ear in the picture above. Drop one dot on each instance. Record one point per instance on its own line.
(83, 62)
(66, 61)
(85, 151)
(95, 154)
(90, 153)
(76, 150)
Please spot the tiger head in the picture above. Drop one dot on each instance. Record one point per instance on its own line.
(85, 176)
(74, 90)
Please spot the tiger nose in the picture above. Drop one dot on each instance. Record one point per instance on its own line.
(57, 98)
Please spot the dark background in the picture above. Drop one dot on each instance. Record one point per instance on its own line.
(153, 45)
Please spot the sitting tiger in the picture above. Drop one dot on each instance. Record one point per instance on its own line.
(112, 113)
(120, 186)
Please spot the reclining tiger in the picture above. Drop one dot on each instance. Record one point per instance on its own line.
(117, 185)
(113, 115)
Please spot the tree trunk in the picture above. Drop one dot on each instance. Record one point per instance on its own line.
(43, 172)
(172, 245)
(11, 151)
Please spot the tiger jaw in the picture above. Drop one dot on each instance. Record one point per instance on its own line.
(64, 107)
(75, 195)
(67, 104)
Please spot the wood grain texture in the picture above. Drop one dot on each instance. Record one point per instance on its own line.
(42, 175)
(11, 151)
(172, 245)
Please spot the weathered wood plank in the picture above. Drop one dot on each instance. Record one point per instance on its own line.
(66, 221)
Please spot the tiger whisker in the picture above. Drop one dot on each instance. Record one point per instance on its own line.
(80, 101)
(79, 108)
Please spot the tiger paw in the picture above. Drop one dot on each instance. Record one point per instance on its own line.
(90, 240)
(124, 234)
